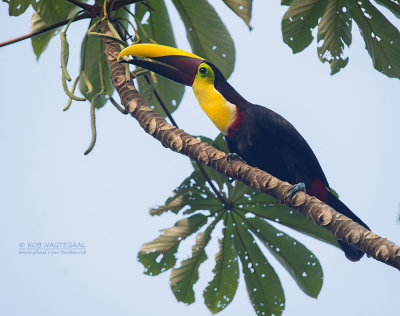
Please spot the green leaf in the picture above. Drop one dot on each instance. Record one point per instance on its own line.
(286, 2)
(381, 38)
(159, 255)
(298, 22)
(17, 7)
(40, 42)
(391, 5)
(263, 285)
(242, 8)
(335, 31)
(183, 278)
(92, 53)
(192, 195)
(158, 28)
(222, 288)
(300, 262)
(265, 290)
(52, 11)
(93, 61)
(207, 34)
(263, 205)
(48, 12)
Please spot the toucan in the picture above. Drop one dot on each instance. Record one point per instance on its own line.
(254, 133)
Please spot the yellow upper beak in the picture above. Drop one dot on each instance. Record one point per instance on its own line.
(155, 50)
(170, 62)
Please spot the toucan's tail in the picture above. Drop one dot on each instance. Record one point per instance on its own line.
(351, 253)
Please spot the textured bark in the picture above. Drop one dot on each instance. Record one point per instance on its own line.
(177, 140)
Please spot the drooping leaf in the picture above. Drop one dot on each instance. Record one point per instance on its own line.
(300, 262)
(335, 31)
(222, 288)
(267, 207)
(263, 285)
(184, 277)
(207, 34)
(52, 11)
(159, 255)
(48, 13)
(242, 8)
(298, 22)
(158, 28)
(381, 38)
(94, 62)
(17, 7)
(40, 42)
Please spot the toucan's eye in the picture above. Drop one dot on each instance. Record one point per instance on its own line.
(203, 70)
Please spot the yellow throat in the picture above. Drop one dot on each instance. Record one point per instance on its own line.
(221, 112)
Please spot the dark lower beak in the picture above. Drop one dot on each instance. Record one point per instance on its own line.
(180, 69)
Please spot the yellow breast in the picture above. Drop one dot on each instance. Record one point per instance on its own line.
(221, 112)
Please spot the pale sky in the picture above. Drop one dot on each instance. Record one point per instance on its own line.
(51, 192)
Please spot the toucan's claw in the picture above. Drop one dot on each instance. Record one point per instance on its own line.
(296, 188)
(234, 156)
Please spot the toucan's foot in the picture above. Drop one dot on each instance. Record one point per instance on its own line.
(296, 188)
(235, 156)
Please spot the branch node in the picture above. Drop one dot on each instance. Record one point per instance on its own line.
(150, 126)
(299, 199)
(203, 157)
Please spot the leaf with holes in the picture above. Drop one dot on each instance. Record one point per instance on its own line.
(334, 31)
(158, 28)
(381, 38)
(243, 210)
(299, 20)
(264, 206)
(263, 285)
(300, 262)
(242, 8)
(207, 34)
(17, 7)
(184, 277)
(159, 255)
(222, 288)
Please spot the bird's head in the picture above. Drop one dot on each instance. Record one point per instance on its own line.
(217, 98)
(172, 63)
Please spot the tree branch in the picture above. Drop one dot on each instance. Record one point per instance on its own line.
(177, 140)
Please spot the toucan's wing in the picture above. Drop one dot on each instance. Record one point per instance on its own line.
(281, 139)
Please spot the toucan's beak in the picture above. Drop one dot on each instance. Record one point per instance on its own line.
(172, 63)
